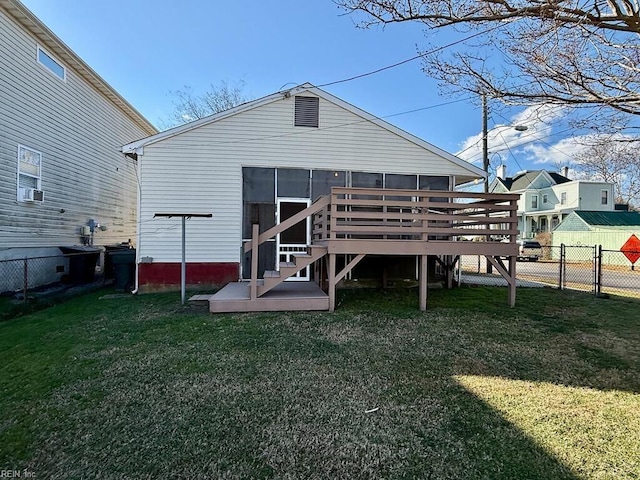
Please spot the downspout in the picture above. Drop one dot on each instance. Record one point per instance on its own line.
(139, 223)
(136, 158)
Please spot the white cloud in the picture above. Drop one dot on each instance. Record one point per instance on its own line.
(559, 153)
(504, 137)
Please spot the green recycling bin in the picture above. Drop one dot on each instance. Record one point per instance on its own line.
(124, 265)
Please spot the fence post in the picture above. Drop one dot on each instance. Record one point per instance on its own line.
(598, 287)
(562, 266)
(25, 286)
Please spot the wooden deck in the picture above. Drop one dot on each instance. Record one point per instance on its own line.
(359, 222)
(287, 296)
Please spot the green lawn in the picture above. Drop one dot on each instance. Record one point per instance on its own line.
(142, 387)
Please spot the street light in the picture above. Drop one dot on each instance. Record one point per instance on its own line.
(485, 140)
(485, 154)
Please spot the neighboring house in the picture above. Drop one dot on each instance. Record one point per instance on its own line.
(547, 198)
(60, 132)
(591, 228)
(260, 163)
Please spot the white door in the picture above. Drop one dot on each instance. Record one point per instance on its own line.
(295, 239)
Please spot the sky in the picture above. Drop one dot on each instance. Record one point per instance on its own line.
(147, 49)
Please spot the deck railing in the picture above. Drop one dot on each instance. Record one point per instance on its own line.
(420, 215)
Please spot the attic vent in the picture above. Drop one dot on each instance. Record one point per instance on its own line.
(306, 114)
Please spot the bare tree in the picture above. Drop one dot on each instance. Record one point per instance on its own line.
(570, 52)
(189, 106)
(614, 162)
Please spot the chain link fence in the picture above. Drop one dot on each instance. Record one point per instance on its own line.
(578, 267)
(617, 275)
(21, 278)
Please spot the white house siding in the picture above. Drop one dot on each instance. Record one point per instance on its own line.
(78, 131)
(200, 171)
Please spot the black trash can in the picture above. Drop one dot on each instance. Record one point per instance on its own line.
(124, 266)
(82, 263)
(108, 267)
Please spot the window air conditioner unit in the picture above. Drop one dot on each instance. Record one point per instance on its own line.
(32, 195)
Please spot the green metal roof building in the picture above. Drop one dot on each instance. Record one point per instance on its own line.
(609, 229)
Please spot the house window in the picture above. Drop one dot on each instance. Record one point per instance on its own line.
(51, 64)
(29, 173)
(604, 197)
(545, 198)
(563, 198)
(293, 183)
(534, 201)
(306, 112)
(323, 180)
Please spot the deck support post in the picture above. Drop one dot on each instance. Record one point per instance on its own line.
(253, 286)
(332, 281)
(512, 284)
(423, 283)
(449, 264)
(508, 273)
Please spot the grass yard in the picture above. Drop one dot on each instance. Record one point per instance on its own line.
(142, 387)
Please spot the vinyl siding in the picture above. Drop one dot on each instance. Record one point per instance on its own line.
(610, 239)
(79, 132)
(200, 171)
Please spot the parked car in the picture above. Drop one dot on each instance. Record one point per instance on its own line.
(529, 250)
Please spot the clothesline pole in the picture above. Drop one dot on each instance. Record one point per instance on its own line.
(183, 265)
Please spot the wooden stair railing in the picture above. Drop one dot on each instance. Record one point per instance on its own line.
(286, 270)
(289, 222)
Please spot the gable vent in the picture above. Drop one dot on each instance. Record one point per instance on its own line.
(306, 114)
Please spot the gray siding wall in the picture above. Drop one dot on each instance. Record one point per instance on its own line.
(78, 131)
(200, 171)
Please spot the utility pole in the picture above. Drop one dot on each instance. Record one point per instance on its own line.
(485, 143)
(485, 159)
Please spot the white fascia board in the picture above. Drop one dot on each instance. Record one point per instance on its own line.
(472, 169)
(135, 147)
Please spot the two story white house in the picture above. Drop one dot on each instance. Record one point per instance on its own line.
(60, 131)
(547, 198)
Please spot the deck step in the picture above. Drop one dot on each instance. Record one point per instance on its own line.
(289, 296)
(288, 269)
(200, 299)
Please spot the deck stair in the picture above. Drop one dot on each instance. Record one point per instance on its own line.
(273, 278)
(356, 222)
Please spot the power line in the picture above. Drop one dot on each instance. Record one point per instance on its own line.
(402, 62)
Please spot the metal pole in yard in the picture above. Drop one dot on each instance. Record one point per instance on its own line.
(599, 272)
(562, 259)
(183, 267)
(26, 280)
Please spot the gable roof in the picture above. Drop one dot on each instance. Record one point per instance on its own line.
(44, 36)
(522, 180)
(138, 146)
(609, 219)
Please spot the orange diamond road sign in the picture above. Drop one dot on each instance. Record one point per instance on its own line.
(631, 249)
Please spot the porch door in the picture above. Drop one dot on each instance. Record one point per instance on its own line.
(295, 239)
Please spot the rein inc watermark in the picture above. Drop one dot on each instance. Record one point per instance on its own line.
(11, 473)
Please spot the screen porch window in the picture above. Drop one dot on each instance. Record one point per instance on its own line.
(306, 112)
(29, 171)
